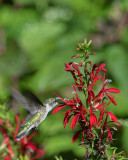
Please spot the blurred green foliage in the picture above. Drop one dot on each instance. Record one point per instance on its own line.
(38, 37)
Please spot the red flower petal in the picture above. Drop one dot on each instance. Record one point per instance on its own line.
(104, 70)
(68, 67)
(93, 119)
(1, 121)
(101, 67)
(104, 78)
(74, 121)
(92, 94)
(32, 135)
(112, 99)
(86, 68)
(116, 122)
(81, 64)
(83, 117)
(101, 117)
(78, 86)
(94, 66)
(76, 56)
(112, 116)
(70, 103)
(74, 138)
(114, 90)
(71, 110)
(17, 125)
(75, 67)
(82, 140)
(10, 148)
(59, 97)
(57, 109)
(109, 133)
(4, 141)
(99, 77)
(89, 96)
(7, 157)
(33, 147)
(98, 106)
(66, 118)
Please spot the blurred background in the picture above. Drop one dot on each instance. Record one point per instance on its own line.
(38, 37)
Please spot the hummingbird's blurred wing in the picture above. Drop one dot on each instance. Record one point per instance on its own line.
(32, 104)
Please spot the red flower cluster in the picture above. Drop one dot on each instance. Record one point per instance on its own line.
(3, 129)
(24, 146)
(87, 114)
(75, 71)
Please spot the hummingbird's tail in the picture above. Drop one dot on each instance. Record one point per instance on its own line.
(25, 128)
(20, 135)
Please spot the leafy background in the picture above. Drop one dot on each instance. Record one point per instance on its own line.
(38, 37)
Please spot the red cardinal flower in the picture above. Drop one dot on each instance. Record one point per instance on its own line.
(93, 120)
(74, 138)
(77, 110)
(91, 114)
(75, 72)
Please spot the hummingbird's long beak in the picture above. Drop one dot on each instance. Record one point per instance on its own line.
(56, 100)
(61, 103)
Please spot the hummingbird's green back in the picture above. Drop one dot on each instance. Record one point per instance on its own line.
(29, 123)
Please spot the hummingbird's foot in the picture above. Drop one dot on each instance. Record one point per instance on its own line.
(36, 128)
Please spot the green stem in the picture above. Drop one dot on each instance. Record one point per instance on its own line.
(86, 81)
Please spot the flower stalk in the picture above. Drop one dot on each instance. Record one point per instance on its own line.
(92, 116)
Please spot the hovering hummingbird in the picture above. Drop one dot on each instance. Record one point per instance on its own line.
(38, 111)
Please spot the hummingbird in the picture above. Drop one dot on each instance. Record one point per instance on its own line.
(38, 111)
